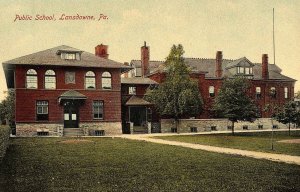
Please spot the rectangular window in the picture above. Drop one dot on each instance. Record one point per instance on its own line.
(247, 70)
(194, 130)
(240, 70)
(42, 110)
(211, 90)
(98, 109)
(70, 56)
(132, 90)
(258, 92)
(273, 92)
(286, 93)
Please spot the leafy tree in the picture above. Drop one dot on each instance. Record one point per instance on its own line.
(7, 107)
(178, 95)
(288, 114)
(297, 95)
(233, 103)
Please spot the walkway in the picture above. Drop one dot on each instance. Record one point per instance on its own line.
(253, 154)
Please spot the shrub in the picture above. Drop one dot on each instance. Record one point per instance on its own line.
(4, 138)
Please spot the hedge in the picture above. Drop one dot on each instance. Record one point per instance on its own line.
(4, 138)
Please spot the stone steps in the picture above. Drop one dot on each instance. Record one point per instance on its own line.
(73, 132)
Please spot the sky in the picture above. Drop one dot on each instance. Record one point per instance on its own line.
(237, 27)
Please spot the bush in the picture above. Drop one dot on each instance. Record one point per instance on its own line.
(4, 138)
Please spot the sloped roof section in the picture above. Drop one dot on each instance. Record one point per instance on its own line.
(138, 81)
(52, 57)
(72, 94)
(136, 101)
(239, 62)
(209, 67)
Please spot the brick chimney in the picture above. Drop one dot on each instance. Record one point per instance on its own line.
(219, 58)
(101, 51)
(265, 70)
(145, 56)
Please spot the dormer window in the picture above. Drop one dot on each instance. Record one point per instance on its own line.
(69, 55)
(244, 70)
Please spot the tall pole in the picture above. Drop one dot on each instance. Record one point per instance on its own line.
(273, 37)
(272, 139)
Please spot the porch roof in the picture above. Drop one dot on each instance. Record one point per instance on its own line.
(136, 101)
(72, 94)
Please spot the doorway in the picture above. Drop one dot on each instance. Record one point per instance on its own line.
(71, 114)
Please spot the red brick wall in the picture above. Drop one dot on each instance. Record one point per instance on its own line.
(26, 98)
(265, 85)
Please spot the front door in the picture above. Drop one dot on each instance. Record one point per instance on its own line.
(71, 114)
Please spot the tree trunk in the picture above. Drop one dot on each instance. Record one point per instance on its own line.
(232, 127)
(289, 128)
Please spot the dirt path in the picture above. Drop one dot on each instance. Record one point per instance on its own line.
(254, 154)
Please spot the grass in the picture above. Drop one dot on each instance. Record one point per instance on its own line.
(105, 164)
(258, 141)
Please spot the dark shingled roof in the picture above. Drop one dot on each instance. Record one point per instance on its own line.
(52, 57)
(138, 80)
(136, 101)
(209, 66)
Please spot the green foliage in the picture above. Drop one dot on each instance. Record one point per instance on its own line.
(4, 138)
(297, 95)
(232, 101)
(178, 95)
(7, 107)
(288, 114)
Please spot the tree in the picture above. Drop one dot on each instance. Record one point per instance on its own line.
(297, 95)
(288, 114)
(178, 95)
(7, 107)
(233, 103)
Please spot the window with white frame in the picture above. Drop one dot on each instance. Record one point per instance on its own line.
(132, 90)
(70, 56)
(286, 93)
(98, 109)
(50, 80)
(90, 81)
(211, 91)
(106, 80)
(31, 79)
(258, 92)
(42, 110)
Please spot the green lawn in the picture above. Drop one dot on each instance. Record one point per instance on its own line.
(105, 164)
(259, 141)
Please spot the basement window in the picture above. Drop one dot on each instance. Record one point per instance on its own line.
(174, 130)
(260, 126)
(99, 132)
(194, 130)
(275, 126)
(213, 128)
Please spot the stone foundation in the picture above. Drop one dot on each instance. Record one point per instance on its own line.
(32, 129)
(200, 125)
(110, 128)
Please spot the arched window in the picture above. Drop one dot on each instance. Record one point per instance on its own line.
(106, 80)
(50, 80)
(90, 82)
(31, 79)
